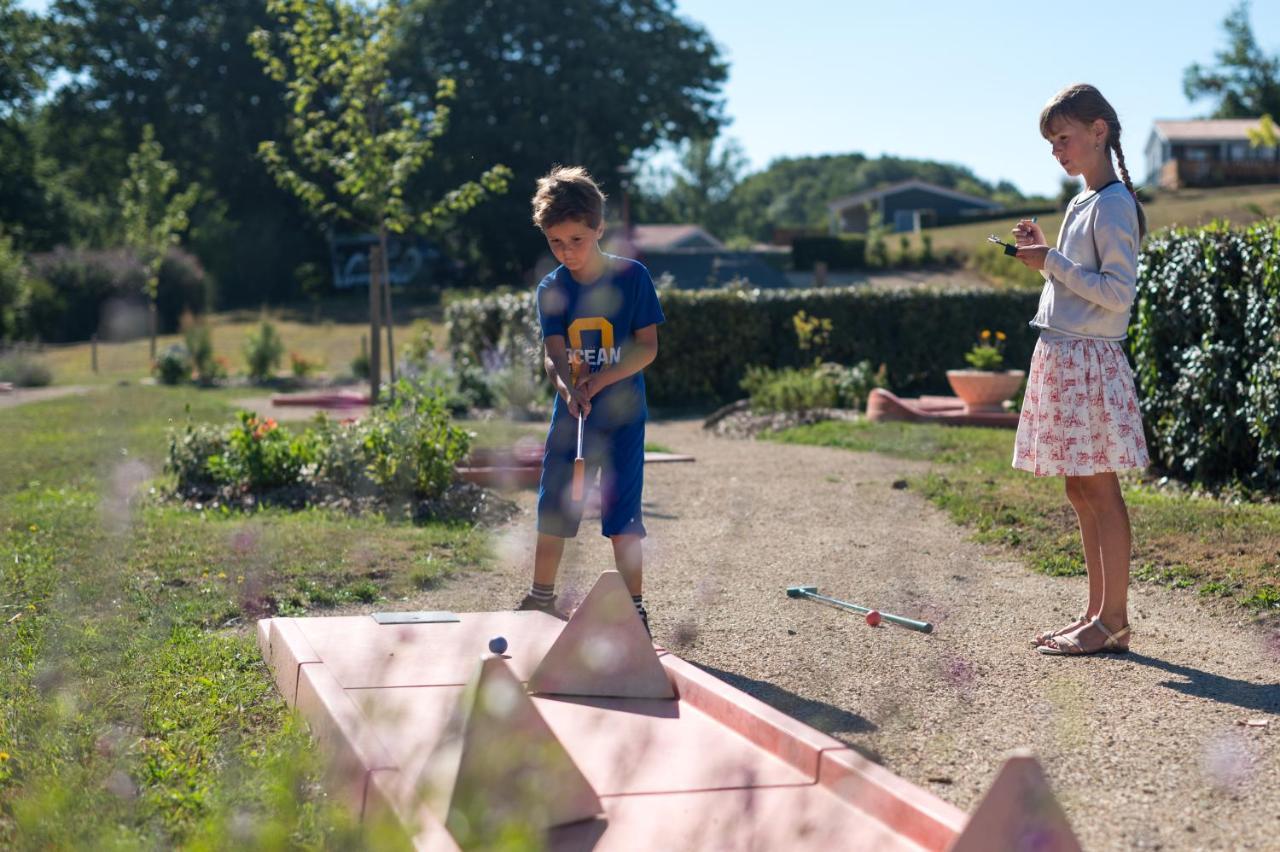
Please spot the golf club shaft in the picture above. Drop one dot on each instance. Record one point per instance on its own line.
(580, 420)
(902, 621)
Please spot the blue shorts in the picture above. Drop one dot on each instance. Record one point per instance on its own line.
(616, 453)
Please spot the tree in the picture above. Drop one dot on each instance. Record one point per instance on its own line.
(585, 82)
(698, 188)
(153, 215)
(1265, 135)
(1245, 81)
(25, 57)
(354, 138)
(185, 67)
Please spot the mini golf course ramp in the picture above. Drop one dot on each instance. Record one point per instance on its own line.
(571, 737)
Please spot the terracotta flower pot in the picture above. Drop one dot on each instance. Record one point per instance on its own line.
(984, 390)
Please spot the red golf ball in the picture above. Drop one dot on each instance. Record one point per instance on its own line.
(873, 618)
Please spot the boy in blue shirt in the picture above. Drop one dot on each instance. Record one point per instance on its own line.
(599, 316)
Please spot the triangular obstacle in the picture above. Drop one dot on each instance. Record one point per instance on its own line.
(1019, 812)
(603, 651)
(499, 771)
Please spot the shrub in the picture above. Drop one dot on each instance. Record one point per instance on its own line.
(83, 282)
(198, 336)
(839, 253)
(173, 365)
(406, 450)
(1206, 347)
(302, 366)
(263, 351)
(15, 292)
(360, 364)
(988, 352)
(21, 368)
(823, 385)
(788, 389)
(259, 455)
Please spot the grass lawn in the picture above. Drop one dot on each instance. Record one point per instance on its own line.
(333, 342)
(1218, 548)
(135, 709)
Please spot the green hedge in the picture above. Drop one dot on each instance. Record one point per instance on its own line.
(849, 252)
(1206, 344)
(712, 336)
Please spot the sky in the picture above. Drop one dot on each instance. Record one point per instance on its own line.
(953, 81)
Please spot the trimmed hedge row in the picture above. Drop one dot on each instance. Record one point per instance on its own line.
(1206, 344)
(712, 336)
(838, 253)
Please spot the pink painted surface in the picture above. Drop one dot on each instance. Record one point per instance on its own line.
(363, 653)
(603, 651)
(771, 818)
(883, 405)
(287, 650)
(925, 819)
(713, 768)
(770, 729)
(1018, 812)
(338, 399)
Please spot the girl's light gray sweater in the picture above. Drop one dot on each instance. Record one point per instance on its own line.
(1091, 277)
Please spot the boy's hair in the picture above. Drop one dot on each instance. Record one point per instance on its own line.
(567, 193)
(1084, 104)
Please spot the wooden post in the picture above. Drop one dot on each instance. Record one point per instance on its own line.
(375, 321)
(93, 352)
(386, 316)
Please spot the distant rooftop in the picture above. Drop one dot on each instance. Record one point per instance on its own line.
(1206, 129)
(647, 238)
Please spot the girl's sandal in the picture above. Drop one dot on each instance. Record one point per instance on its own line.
(1081, 620)
(1075, 649)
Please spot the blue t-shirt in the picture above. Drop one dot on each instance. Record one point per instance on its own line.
(597, 321)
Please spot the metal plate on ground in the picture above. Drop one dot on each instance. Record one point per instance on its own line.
(432, 617)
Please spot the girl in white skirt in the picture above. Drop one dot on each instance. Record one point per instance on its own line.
(1080, 415)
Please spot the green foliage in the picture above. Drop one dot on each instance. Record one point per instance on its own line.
(838, 253)
(258, 455)
(406, 449)
(154, 214)
(916, 335)
(301, 366)
(811, 332)
(663, 84)
(197, 334)
(822, 385)
(354, 140)
(15, 292)
(697, 189)
(794, 191)
(994, 265)
(988, 352)
(71, 288)
(172, 365)
(1206, 347)
(263, 352)
(1245, 81)
(22, 369)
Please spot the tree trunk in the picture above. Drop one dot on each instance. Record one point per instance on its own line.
(375, 322)
(385, 275)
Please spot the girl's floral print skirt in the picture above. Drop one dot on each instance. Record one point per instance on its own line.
(1080, 412)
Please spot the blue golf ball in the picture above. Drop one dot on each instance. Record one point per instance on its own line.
(498, 645)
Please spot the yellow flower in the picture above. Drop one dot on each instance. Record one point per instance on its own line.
(4, 755)
(33, 527)
(1000, 335)
(222, 575)
(986, 334)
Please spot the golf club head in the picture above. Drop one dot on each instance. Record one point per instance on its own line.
(801, 591)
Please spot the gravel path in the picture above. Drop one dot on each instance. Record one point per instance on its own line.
(1144, 751)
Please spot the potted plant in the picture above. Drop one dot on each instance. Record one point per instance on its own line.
(987, 385)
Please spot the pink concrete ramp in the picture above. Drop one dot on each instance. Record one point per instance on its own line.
(428, 732)
(948, 410)
(603, 650)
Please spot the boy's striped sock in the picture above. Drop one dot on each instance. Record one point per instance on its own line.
(541, 592)
(638, 600)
